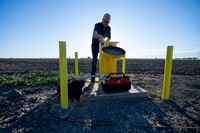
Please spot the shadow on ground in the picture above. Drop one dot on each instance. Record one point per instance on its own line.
(40, 111)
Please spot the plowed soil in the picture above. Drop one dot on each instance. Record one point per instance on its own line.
(37, 108)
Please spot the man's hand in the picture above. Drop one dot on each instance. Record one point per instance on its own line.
(101, 39)
(106, 39)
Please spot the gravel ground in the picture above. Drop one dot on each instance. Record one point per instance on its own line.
(37, 108)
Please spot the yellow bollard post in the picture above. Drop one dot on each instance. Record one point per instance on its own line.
(123, 63)
(101, 59)
(76, 64)
(63, 75)
(167, 73)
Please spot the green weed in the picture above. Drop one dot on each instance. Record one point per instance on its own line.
(34, 79)
(31, 79)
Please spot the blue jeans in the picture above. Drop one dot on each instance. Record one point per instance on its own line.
(95, 51)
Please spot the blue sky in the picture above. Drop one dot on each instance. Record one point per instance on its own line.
(144, 28)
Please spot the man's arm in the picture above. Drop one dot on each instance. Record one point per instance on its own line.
(107, 39)
(98, 36)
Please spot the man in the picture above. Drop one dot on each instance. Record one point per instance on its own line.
(101, 33)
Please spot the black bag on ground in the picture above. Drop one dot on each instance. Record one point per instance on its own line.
(75, 89)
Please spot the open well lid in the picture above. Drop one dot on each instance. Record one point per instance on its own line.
(112, 51)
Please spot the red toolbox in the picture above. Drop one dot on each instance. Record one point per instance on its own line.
(116, 82)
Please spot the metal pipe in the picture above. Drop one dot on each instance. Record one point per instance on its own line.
(76, 64)
(123, 63)
(167, 73)
(63, 75)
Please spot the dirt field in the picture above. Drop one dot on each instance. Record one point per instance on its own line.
(37, 109)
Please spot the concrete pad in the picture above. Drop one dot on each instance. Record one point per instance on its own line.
(94, 91)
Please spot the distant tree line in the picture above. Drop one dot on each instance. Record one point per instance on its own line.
(189, 58)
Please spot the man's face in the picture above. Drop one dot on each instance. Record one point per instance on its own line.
(106, 21)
